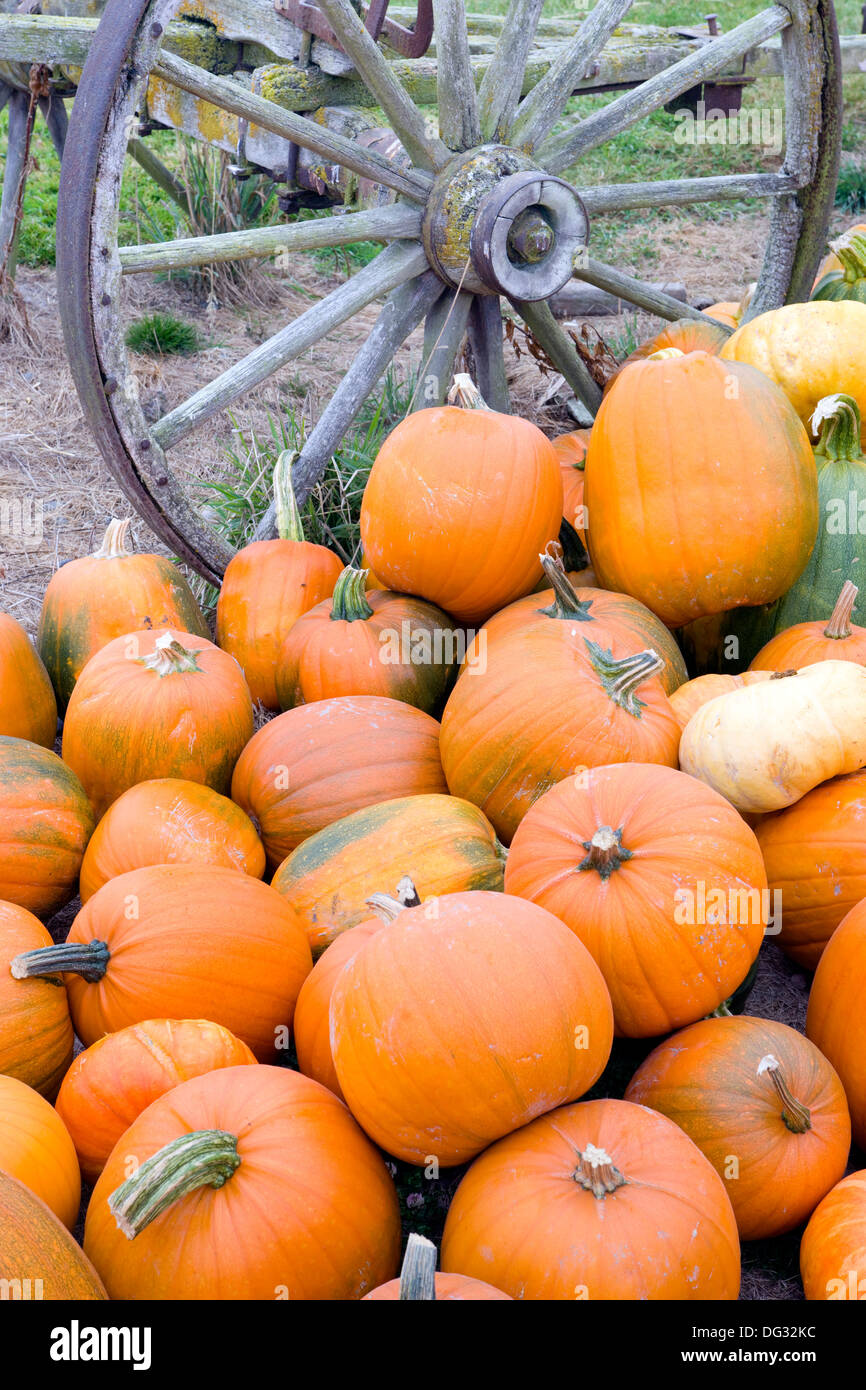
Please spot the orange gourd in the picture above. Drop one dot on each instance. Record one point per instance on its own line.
(687, 699)
(686, 335)
(570, 449)
(38, 1257)
(805, 643)
(833, 1248)
(46, 821)
(835, 1020)
(36, 1037)
(36, 1148)
(28, 708)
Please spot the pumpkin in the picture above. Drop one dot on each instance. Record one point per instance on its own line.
(833, 1248)
(444, 844)
(91, 601)
(36, 1037)
(429, 1074)
(725, 312)
(419, 1280)
(45, 823)
(454, 1287)
(831, 260)
(766, 745)
(154, 704)
(687, 335)
(459, 502)
(805, 643)
(28, 708)
(570, 450)
(763, 1105)
(849, 281)
(835, 1018)
(687, 699)
(811, 350)
(267, 586)
(359, 643)
(603, 1200)
(181, 941)
(815, 857)
(700, 486)
(254, 1183)
(113, 1080)
(659, 877)
(37, 1254)
(170, 821)
(36, 1148)
(317, 763)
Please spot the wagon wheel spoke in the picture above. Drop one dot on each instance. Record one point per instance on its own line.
(459, 125)
(561, 351)
(615, 197)
(637, 292)
(486, 344)
(499, 93)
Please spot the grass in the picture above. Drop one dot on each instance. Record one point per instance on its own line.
(163, 335)
(851, 190)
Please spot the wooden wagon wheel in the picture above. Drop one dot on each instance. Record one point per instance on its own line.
(481, 211)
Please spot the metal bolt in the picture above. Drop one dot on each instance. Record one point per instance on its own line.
(531, 237)
(105, 301)
(161, 480)
(110, 385)
(712, 23)
(156, 31)
(144, 445)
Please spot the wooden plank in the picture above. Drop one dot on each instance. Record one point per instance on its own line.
(485, 331)
(14, 179)
(578, 300)
(256, 21)
(455, 87)
(637, 292)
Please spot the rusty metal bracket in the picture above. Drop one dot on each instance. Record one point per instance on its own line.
(410, 43)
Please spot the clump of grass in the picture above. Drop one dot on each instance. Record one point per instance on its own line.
(851, 188)
(163, 335)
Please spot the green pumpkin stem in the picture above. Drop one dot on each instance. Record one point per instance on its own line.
(289, 524)
(418, 1273)
(465, 393)
(114, 542)
(837, 418)
(796, 1115)
(169, 658)
(204, 1158)
(565, 604)
(620, 679)
(89, 960)
(839, 626)
(597, 1173)
(605, 852)
(349, 603)
(851, 251)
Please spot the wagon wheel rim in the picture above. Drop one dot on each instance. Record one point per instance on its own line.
(454, 283)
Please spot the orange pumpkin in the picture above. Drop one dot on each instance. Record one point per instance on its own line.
(28, 708)
(419, 1280)
(170, 821)
(687, 699)
(835, 1020)
(317, 763)
(36, 1037)
(181, 941)
(156, 704)
(687, 335)
(454, 1287)
(459, 504)
(815, 857)
(548, 1212)
(267, 586)
(37, 1254)
(570, 449)
(91, 601)
(805, 643)
(763, 1105)
(273, 1192)
(726, 311)
(429, 1074)
(45, 823)
(833, 1248)
(113, 1080)
(36, 1148)
(359, 643)
(660, 878)
(701, 487)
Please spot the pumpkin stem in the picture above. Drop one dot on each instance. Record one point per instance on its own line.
(839, 625)
(605, 852)
(114, 542)
(465, 393)
(289, 524)
(795, 1115)
(596, 1172)
(851, 250)
(620, 679)
(389, 908)
(418, 1273)
(204, 1158)
(349, 603)
(836, 421)
(169, 657)
(665, 354)
(565, 604)
(89, 960)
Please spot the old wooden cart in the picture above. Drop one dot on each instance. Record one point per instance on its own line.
(482, 205)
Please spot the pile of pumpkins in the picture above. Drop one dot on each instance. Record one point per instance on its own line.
(495, 826)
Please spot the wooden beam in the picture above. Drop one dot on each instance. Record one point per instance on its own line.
(637, 292)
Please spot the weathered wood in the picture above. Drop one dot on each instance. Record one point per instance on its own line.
(455, 87)
(257, 21)
(502, 83)
(392, 267)
(418, 1274)
(578, 300)
(637, 292)
(162, 176)
(14, 179)
(53, 109)
(561, 351)
(485, 332)
(561, 151)
(613, 197)
(5, 93)
(29, 38)
(444, 331)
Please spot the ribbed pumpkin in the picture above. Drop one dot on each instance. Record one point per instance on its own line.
(570, 449)
(359, 643)
(156, 704)
(815, 857)
(464, 1019)
(28, 708)
(726, 312)
(659, 877)
(37, 1250)
(445, 845)
(805, 643)
(833, 1248)
(836, 1021)
(763, 1105)
(449, 1287)
(849, 281)
(36, 1148)
(687, 335)
(312, 765)
(264, 1188)
(181, 941)
(46, 821)
(268, 586)
(91, 601)
(36, 1037)
(604, 1200)
(688, 698)
(113, 1080)
(170, 821)
(831, 260)
(679, 444)
(458, 505)
(419, 1280)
